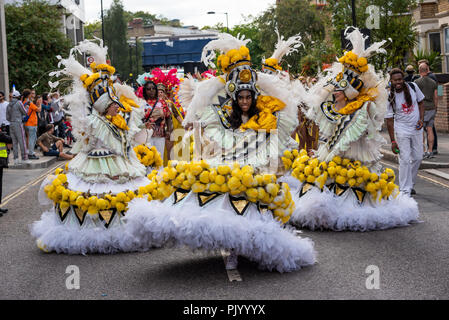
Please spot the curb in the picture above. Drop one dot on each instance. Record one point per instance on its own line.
(389, 156)
(35, 165)
(440, 174)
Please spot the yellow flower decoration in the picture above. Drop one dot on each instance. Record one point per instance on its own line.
(149, 157)
(341, 171)
(265, 120)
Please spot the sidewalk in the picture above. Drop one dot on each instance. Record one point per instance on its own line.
(43, 162)
(439, 165)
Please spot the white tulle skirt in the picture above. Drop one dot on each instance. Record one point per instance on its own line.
(318, 209)
(215, 226)
(54, 235)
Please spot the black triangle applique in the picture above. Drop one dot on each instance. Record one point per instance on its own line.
(340, 190)
(330, 186)
(263, 208)
(360, 194)
(239, 204)
(305, 188)
(179, 195)
(205, 198)
(80, 215)
(107, 216)
(63, 213)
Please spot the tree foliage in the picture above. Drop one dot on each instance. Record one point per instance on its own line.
(291, 17)
(395, 23)
(115, 29)
(34, 40)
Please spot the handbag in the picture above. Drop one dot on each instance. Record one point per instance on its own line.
(25, 118)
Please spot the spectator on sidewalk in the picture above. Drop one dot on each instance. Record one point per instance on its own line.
(430, 90)
(3, 105)
(411, 76)
(5, 145)
(42, 119)
(31, 126)
(26, 94)
(405, 120)
(56, 112)
(51, 145)
(14, 114)
(68, 130)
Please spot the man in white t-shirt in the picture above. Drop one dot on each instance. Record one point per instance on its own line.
(405, 119)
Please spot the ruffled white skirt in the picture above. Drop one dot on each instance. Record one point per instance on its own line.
(100, 170)
(69, 237)
(325, 210)
(216, 226)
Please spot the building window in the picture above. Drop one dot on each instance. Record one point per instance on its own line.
(434, 42)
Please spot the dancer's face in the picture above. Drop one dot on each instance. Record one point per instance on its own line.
(244, 100)
(112, 109)
(339, 96)
(151, 90)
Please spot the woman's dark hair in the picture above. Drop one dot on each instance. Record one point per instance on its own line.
(26, 93)
(45, 96)
(145, 95)
(37, 97)
(236, 116)
(48, 127)
(407, 95)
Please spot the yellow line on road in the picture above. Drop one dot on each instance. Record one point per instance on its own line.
(420, 175)
(28, 185)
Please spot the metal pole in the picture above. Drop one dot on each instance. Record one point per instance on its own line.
(102, 22)
(137, 60)
(354, 21)
(130, 61)
(227, 24)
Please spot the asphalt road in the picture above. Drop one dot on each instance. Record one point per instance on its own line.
(413, 261)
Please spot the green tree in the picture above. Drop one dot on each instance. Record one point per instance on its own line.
(291, 17)
(115, 28)
(92, 30)
(34, 40)
(395, 23)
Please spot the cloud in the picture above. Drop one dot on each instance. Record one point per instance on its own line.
(192, 12)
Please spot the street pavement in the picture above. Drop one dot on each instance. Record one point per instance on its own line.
(413, 261)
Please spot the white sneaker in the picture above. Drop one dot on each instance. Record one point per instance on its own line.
(26, 161)
(232, 261)
(17, 162)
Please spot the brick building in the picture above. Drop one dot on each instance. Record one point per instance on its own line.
(432, 23)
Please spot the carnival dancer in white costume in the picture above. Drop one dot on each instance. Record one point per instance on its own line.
(344, 187)
(90, 197)
(231, 198)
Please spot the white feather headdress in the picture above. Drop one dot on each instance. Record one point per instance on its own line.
(224, 43)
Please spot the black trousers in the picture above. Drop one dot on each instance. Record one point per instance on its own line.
(435, 141)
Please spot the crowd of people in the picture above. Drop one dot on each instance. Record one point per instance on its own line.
(26, 117)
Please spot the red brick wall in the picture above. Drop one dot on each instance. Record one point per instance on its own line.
(442, 116)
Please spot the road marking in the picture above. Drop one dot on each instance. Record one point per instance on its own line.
(233, 275)
(24, 188)
(419, 175)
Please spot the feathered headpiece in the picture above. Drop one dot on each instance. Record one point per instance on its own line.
(234, 61)
(355, 63)
(165, 81)
(283, 48)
